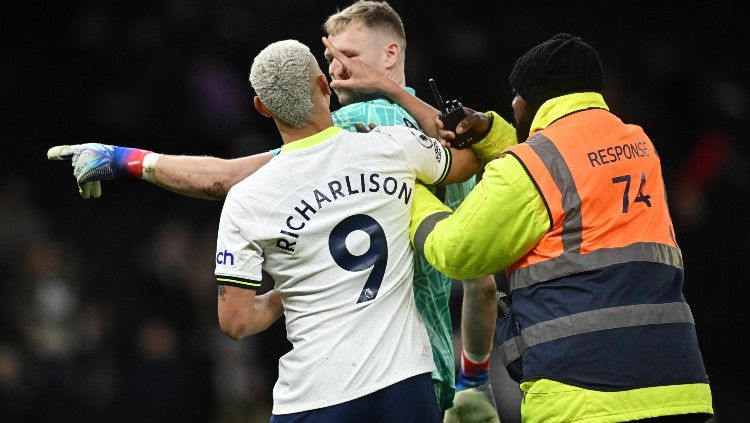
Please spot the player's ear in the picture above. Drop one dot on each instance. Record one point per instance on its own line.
(260, 107)
(322, 82)
(392, 55)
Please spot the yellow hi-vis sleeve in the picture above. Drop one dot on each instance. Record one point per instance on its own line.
(500, 220)
(501, 136)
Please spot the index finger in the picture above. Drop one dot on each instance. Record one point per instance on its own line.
(445, 134)
(465, 123)
(338, 55)
(59, 152)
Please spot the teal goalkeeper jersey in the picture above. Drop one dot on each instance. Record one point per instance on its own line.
(431, 288)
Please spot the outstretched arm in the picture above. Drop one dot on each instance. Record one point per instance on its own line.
(365, 79)
(203, 176)
(465, 163)
(500, 220)
(496, 133)
(193, 176)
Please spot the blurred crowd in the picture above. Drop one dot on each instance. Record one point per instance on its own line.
(108, 306)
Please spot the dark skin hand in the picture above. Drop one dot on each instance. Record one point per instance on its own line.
(480, 122)
(363, 129)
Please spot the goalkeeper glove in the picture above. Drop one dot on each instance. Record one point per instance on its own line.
(473, 403)
(94, 162)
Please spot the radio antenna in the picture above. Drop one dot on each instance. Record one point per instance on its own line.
(436, 93)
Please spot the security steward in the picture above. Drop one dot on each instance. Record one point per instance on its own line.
(596, 327)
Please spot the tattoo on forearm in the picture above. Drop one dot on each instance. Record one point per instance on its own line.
(217, 191)
(222, 292)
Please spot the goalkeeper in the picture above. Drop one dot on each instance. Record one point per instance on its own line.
(372, 32)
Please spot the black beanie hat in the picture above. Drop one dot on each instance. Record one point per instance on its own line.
(564, 64)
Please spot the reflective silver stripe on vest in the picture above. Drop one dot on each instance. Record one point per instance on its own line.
(572, 225)
(567, 264)
(425, 227)
(592, 321)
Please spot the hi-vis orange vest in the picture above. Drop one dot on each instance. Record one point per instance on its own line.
(598, 302)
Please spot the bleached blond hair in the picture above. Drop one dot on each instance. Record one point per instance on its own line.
(281, 76)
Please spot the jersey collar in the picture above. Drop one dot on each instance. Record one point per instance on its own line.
(312, 140)
(555, 108)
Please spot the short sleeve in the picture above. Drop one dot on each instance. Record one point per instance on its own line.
(239, 259)
(430, 160)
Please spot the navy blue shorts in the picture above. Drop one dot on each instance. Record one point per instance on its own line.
(412, 400)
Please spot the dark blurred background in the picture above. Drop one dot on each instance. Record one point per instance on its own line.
(108, 306)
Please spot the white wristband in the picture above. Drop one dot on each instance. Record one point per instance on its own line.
(149, 166)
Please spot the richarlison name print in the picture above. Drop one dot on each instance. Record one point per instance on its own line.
(310, 204)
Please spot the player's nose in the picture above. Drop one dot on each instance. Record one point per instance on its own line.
(337, 70)
(333, 67)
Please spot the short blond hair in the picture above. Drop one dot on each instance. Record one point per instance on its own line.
(373, 14)
(280, 76)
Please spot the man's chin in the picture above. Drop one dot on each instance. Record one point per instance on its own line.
(523, 128)
(349, 97)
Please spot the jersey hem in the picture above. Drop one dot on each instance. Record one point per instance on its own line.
(296, 408)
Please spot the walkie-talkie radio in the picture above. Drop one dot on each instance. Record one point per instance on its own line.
(451, 114)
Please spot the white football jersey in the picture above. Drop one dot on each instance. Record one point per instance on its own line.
(328, 219)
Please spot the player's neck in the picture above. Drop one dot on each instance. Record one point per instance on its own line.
(398, 77)
(318, 124)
